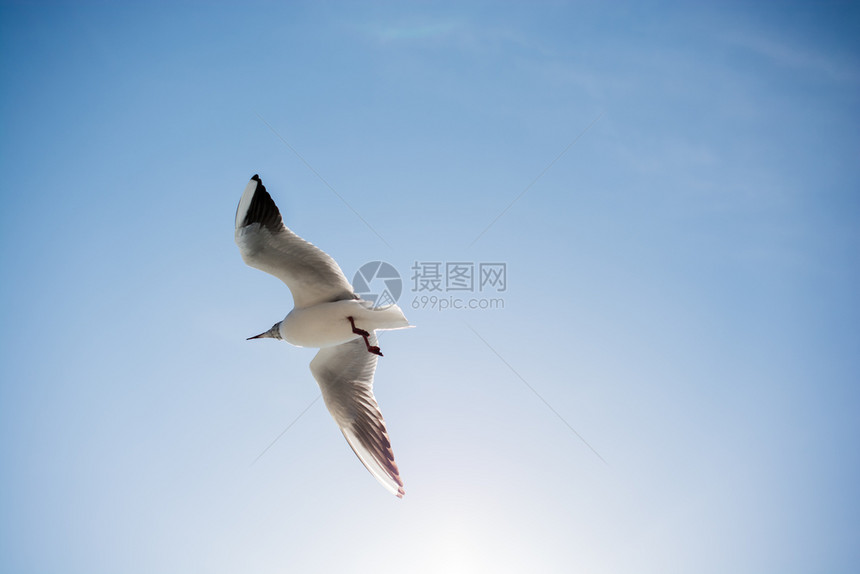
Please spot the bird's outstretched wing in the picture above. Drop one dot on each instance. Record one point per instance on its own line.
(266, 244)
(345, 376)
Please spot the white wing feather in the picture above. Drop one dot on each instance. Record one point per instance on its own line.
(345, 376)
(266, 244)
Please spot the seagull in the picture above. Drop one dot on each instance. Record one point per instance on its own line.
(328, 315)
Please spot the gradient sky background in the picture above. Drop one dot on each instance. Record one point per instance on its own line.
(683, 286)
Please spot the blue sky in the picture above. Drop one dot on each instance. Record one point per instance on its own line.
(682, 285)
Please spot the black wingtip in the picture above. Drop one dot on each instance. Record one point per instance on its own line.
(263, 209)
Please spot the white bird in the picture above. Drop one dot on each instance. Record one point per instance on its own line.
(328, 315)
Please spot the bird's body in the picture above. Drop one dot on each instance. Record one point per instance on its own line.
(328, 315)
(327, 324)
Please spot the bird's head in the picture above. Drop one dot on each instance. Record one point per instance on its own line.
(273, 333)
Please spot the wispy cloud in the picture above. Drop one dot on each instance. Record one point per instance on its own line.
(416, 31)
(411, 29)
(455, 30)
(802, 58)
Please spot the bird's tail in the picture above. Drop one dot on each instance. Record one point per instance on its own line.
(387, 317)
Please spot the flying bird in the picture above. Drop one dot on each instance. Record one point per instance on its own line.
(328, 315)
